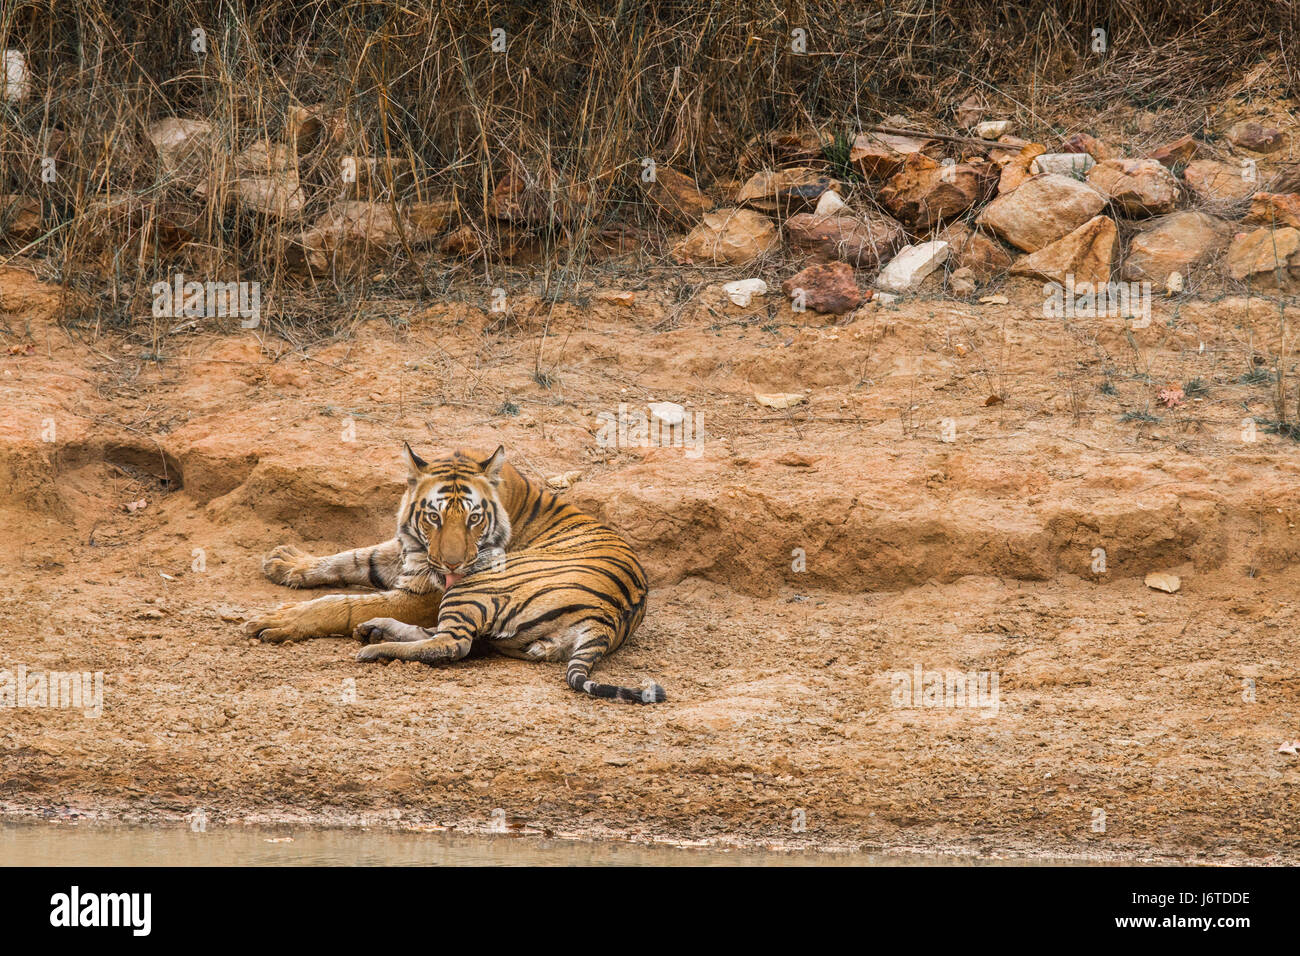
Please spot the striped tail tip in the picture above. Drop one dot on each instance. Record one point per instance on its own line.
(651, 693)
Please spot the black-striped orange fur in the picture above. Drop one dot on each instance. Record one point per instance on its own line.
(481, 553)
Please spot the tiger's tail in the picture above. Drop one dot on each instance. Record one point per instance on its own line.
(593, 645)
(578, 676)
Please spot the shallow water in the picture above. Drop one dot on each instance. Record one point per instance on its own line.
(34, 844)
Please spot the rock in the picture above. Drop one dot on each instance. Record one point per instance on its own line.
(969, 111)
(1174, 243)
(349, 235)
(1163, 581)
(108, 224)
(1063, 164)
(830, 203)
(1258, 255)
(782, 148)
(1040, 211)
(961, 282)
(1136, 187)
(1274, 209)
(1180, 152)
(1255, 137)
(537, 197)
(736, 236)
(185, 148)
(924, 193)
(20, 217)
(908, 269)
(678, 196)
(783, 190)
(267, 180)
(974, 249)
(1086, 254)
(992, 129)
(1085, 143)
(994, 300)
(1174, 283)
(565, 480)
(779, 400)
(667, 413)
(1213, 182)
(829, 289)
(619, 238)
(425, 221)
(175, 223)
(16, 79)
(881, 155)
(463, 242)
(883, 298)
(862, 242)
(617, 297)
(305, 127)
(1014, 166)
(742, 291)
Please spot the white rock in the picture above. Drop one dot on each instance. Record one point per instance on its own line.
(742, 290)
(829, 204)
(1174, 284)
(667, 413)
(17, 81)
(1163, 581)
(1063, 164)
(779, 400)
(884, 298)
(909, 268)
(992, 129)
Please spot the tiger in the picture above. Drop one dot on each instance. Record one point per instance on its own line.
(481, 553)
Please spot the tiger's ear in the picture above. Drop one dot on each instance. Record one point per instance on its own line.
(492, 467)
(415, 461)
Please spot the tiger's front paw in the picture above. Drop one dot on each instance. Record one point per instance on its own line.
(288, 622)
(288, 566)
(377, 630)
(379, 652)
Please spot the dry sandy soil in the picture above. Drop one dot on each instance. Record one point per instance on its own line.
(970, 554)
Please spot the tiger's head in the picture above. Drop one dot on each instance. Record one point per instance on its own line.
(452, 521)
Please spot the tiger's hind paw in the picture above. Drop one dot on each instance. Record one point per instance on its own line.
(287, 622)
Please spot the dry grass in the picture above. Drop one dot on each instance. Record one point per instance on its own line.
(584, 91)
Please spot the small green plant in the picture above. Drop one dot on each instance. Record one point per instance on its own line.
(1143, 417)
(1289, 430)
(508, 408)
(837, 152)
(1256, 376)
(1195, 388)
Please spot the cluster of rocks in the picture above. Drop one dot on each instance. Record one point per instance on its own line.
(970, 209)
(998, 207)
(358, 221)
